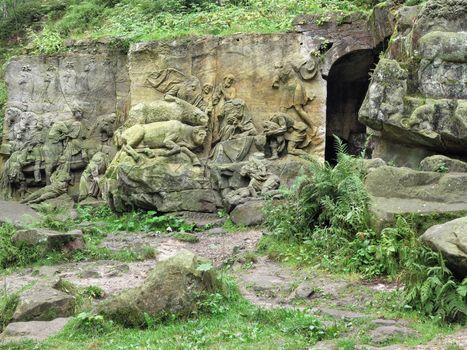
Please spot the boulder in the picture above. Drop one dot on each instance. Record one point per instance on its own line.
(248, 214)
(173, 287)
(385, 333)
(441, 163)
(43, 303)
(396, 191)
(50, 240)
(15, 213)
(450, 239)
(32, 330)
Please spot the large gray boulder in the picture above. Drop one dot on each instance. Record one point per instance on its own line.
(172, 288)
(450, 239)
(17, 214)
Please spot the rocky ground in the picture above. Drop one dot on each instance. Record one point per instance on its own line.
(350, 305)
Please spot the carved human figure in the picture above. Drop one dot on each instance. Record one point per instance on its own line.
(236, 121)
(12, 116)
(226, 91)
(89, 182)
(175, 83)
(294, 95)
(60, 180)
(104, 127)
(76, 135)
(54, 147)
(26, 84)
(167, 138)
(262, 182)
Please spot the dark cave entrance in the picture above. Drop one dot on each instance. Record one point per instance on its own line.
(347, 84)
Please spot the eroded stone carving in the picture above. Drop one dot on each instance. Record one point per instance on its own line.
(168, 138)
(89, 182)
(262, 183)
(294, 95)
(59, 182)
(283, 133)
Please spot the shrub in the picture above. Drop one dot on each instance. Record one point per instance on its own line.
(47, 42)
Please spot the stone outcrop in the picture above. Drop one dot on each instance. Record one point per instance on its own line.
(417, 101)
(172, 288)
(403, 191)
(450, 239)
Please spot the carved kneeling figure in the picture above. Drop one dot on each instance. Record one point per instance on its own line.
(173, 136)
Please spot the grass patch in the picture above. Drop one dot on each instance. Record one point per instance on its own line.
(238, 325)
(8, 303)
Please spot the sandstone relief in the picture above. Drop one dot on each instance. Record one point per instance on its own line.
(196, 125)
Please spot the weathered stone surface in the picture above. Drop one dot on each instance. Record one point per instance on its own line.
(403, 191)
(50, 240)
(384, 333)
(32, 330)
(173, 287)
(392, 182)
(443, 164)
(43, 303)
(450, 239)
(15, 213)
(417, 96)
(248, 214)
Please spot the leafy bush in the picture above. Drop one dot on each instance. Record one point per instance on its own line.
(47, 42)
(431, 288)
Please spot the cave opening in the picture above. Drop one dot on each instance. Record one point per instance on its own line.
(347, 84)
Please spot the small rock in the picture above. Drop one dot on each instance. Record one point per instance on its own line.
(304, 291)
(384, 322)
(248, 214)
(43, 303)
(384, 333)
(32, 330)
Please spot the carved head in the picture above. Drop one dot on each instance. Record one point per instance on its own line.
(199, 135)
(229, 80)
(12, 114)
(207, 88)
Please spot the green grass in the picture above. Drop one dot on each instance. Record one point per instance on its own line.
(239, 325)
